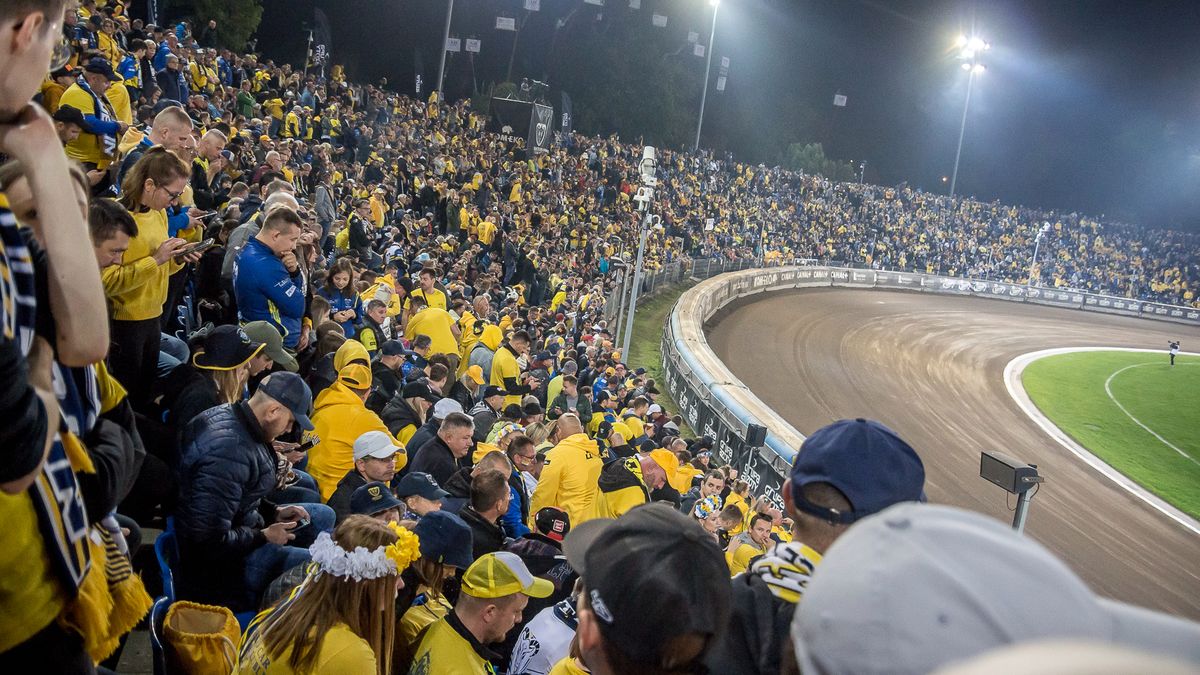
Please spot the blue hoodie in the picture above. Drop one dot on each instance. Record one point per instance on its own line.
(265, 291)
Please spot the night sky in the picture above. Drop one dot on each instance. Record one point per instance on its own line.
(1090, 106)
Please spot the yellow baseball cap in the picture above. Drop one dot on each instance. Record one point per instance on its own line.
(355, 376)
(500, 574)
(476, 374)
(667, 460)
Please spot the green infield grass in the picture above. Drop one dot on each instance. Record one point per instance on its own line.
(1130, 409)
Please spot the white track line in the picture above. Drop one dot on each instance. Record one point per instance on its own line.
(1012, 381)
(1108, 390)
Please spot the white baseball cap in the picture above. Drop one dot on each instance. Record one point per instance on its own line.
(375, 444)
(919, 586)
(444, 407)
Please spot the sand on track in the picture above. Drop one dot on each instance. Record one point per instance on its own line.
(932, 368)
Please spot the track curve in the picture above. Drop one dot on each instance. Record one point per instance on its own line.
(932, 368)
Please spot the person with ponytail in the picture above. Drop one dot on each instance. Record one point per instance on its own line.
(342, 618)
(137, 288)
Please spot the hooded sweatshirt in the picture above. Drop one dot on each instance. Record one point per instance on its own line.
(485, 348)
(569, 478)
(339, 418)
(620, 488)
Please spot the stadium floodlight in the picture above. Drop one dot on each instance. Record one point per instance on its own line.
(712, 34)
(969, 50)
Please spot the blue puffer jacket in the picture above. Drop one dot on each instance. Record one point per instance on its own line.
(225, 471)
(267, 292)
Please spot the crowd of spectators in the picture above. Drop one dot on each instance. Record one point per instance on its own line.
(349, 350)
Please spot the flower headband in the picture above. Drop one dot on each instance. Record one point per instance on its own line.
(362, 564)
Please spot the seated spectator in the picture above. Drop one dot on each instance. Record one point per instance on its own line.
(437, 413)
(627, 483)
(541, 551)
(406, 412)
(445, 551)
(749, 544)
(228, 551)
(339, 420)
(377, 501)
(421, 495)
(495, 590)
(467, 387)
(844, 471)
(713, 484)
(273, 353)
(489, 501)
(344, 620)
(440, 456)
(948, 581)
(385, 374)
(374, 461)
(218, 373)
(569, 401)
(486, 413)
(653, 551)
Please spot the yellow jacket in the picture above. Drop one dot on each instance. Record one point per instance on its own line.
(569, 479)
(505, 366)
(682, 480)
(443, 651)
(339, 418)
(137, 288)
(118, 97)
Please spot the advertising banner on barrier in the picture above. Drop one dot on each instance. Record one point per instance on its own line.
(1054, 297)
(898, 280)
(1110, 305)
(998, 290)
(1170, 312)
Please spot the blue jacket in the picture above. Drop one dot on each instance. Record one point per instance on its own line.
(340, 302)
(225, 472)
(265, 291)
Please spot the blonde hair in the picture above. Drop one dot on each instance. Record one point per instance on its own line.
(231, 384)
(368, 608)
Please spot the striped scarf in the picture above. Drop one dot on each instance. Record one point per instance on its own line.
(105, 113)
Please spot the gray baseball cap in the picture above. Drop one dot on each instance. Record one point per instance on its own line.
(919, 586)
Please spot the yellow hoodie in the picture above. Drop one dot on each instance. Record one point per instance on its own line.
(569, 479)
(339, 418)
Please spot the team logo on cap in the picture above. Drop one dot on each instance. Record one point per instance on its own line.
(375, 492)
(558, 526)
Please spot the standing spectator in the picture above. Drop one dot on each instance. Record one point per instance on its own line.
(374, 460)
(844, 472)
(569, 401)
(345, 619)
(97, 145)
(171, 82)
(341, 418)
(445, 551)
(652, 551)
(229, 553)
(267, 278)
(406, 412)
(749, 544)
(437, 413)
(495, 590)
(137, 288)
(571, 473)
(506, 370)
(437, 324)
(486, 413)
(628, 482)
(439, 457)
(385, 374)
(466, 388)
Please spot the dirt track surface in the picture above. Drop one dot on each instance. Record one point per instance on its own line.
(932, 368)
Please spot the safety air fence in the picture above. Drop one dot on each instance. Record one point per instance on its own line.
(717, 404)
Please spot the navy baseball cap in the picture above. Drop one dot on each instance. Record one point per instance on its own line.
(372, 498)
(100, 66)
(872, 466)
(393, 348)
(420, 484)
(445, 538)
(292, 393)
(493, 390)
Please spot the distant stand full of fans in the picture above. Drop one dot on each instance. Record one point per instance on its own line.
(347, 352)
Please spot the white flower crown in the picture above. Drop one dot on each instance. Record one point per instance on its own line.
(361, 563)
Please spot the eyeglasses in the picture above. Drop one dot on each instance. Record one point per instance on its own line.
(174, 195)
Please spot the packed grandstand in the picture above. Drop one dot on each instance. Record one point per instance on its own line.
(347, 354)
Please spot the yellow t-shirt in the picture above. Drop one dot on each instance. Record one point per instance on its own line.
(342, 652)
(567, 666)
(435, 323)
(30, 594)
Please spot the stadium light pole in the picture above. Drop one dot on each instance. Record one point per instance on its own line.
(1037, 242)
(969, 51)
(445, 39)
(716, 4)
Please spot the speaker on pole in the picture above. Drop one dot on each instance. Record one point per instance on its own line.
(756, 436)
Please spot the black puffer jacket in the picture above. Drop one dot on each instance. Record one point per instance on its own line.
(225, 471)
(398, 414)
